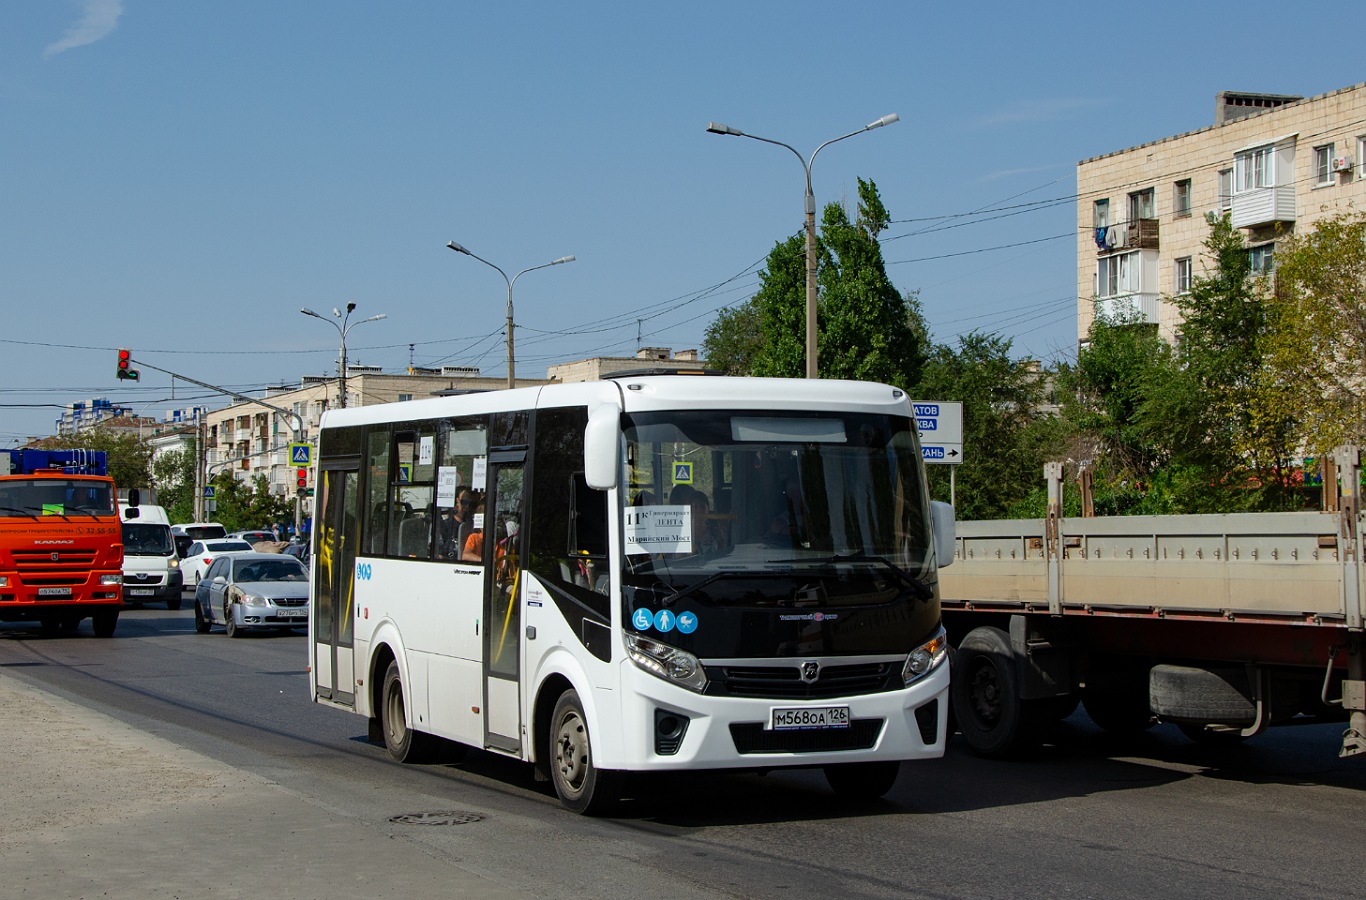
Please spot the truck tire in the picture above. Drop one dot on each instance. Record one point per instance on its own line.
(104, 622)
(986, 696)
(1192, 694)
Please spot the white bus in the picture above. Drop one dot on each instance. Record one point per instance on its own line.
(680, 572)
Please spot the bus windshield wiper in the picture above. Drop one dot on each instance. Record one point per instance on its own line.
(922, 590)
(22, 512)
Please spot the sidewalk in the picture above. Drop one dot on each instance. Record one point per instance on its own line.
(91, 807)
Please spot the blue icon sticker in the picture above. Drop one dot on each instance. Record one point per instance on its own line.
(687, 622)
(664, 620)
(642, 619)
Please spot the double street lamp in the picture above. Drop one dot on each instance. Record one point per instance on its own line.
(343, 326)
(718, 128)
(510, 282)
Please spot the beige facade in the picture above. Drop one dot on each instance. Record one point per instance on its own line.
(251, 439)
(1276, 164)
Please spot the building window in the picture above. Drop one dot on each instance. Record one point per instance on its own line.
(1183, 275)
(1323, 164)
(1254, 169)
(1263, 259)
(1100, 213)
(1116, 275)
(1141, 205)
(1225, 189)
(1361, 157)
(1181, 197)
(404, 398)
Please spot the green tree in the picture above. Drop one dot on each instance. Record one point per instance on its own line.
(241, 506)
(173, 475)
(1005, 436)
(734, 339)
(129, 459)
(866, 329)
(1316, 345)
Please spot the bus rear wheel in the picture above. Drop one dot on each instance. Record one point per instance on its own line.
(403, 743)
(581, 786)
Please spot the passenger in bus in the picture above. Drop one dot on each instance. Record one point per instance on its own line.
(457, 524)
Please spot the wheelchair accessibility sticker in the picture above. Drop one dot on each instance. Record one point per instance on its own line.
(664, 621)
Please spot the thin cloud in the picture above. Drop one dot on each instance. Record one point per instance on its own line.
(1039, 111)
(1010, 173)
(98, 19)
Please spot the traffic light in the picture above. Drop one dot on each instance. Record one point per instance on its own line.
(125, 369)
(302, 478)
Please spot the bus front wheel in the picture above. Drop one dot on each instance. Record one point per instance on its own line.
(403, 743)
(582, 787)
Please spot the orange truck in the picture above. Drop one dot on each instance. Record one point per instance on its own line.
(61, 541)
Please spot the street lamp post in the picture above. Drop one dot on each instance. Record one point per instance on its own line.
(718, 128)
(510, 282)
(343, 326)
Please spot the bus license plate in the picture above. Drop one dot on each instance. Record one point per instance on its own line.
(809, 717)
(54, 592)
(141, 592)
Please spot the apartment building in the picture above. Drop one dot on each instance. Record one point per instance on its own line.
(1276, 163)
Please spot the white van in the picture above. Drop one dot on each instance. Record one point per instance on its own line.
(151, 568)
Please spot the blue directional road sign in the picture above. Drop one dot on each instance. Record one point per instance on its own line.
(300, 454)
(940, 424)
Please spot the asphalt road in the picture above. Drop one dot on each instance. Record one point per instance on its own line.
(1279, 816)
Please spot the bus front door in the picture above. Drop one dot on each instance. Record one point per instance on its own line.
(333, 613)
(502, 602)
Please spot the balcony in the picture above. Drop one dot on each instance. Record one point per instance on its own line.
(1139, 234)
(1128, 309)
(1264, 206)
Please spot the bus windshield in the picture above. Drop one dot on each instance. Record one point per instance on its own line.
(147, 539)
(729, 507)
(39, 497)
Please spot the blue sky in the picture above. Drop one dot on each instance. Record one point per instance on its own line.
(180, 178)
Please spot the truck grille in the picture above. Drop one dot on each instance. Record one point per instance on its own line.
(750, 737)
(784, 681)
(29, 560)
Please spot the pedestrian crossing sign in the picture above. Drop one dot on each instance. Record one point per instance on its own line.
(682, 473)
(300, 454)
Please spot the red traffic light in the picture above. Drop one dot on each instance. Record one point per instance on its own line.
(125, 370)
(302, 478)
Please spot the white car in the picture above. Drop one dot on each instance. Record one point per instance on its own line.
(245, 591)
(202, 553)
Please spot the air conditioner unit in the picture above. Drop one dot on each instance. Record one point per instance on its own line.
(1342, 164)
(1213, 215)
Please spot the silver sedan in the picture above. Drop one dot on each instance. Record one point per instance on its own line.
(247, 591)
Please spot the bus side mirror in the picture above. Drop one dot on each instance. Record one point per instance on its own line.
(602, 446)
(942, 522)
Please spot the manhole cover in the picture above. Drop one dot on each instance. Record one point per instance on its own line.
(436, 818)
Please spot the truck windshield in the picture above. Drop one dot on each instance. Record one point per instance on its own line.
(774, 508)
(39, 497)
(147, 540)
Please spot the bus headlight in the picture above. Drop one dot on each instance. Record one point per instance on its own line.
(669, 663)
(173, 564)
(926, 658)
(4, 581)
